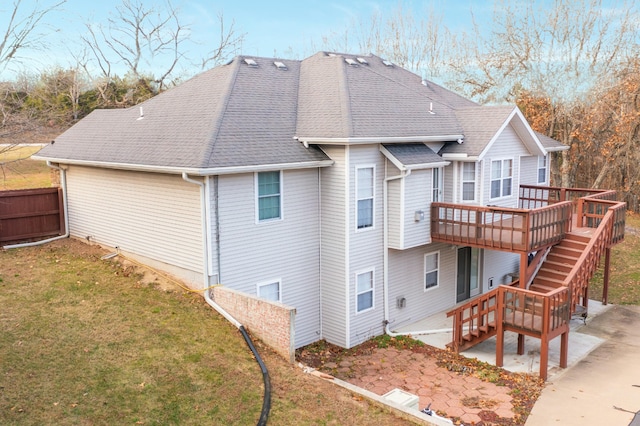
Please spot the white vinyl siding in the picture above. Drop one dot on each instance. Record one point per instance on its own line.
(395, 212)
(336, 218)
(501, 178)
(151, 215)
(365, 249)
(268, 195)
(507, 145)
(253, 253)
(365, 196)
(407, 280)
(364, 291)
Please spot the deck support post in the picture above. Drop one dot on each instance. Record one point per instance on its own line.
(564, 349)
(520, 344)
(524, 262)
(544, 355)
(605, 284)
(499, 329)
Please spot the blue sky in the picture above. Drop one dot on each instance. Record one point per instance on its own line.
(272, 28)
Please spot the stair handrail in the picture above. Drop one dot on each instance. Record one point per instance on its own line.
(586, 265)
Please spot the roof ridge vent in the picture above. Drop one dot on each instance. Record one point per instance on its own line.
(387, 63)
(280, 65)
(351, 62)
(362, 60)
(251, 62)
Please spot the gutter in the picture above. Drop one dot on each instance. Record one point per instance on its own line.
(65, 205)
(190, 170)
(266, 403)
(376, 139)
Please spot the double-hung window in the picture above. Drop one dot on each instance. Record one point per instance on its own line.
(365, 189)
(436, 185)
(269, 186)
(431, 268)
(364, 291)
(468, 181)
(542, 169)
(501, 178)
(270, 291)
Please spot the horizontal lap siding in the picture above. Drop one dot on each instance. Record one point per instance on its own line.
(394, 209)
(406, 279)
(148, 214)
(286, 250)
(366, 247)
(529, 171)
(507, 146)
(417, 197)
(497, 265)
(334, 247)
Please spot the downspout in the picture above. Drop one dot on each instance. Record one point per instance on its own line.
(385, 273)
(65, 205)
(266, 403)
(385, 279)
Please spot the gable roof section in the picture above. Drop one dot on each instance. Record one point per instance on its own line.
(232, 116)
(412, 156)
(484, 124)
(371, 101)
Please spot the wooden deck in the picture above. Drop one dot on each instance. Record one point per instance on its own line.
(586, 225)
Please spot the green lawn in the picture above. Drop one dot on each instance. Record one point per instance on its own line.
(624, 281)
(87, 341)
(18, 171)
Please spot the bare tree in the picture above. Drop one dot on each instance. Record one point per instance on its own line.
(228, 43)
(21, 31)
(414, 41)
(139, 39)
(562, 50)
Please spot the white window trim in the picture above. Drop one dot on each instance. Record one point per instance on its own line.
(257, 199)
(502, 178)
(546, 169)
(266, 283)
(475, 182)
(373, 213)
(373, 290)
(424, 271)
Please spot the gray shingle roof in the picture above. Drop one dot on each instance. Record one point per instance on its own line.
(413, 154)
(551, 144)
(237, 115)
(480, 126)
(338, 100)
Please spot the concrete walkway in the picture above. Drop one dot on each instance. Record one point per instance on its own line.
(580, 343)
(603, 388)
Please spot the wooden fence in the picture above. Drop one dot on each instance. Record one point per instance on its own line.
(30, 214)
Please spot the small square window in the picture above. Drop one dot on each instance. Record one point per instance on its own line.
(269, 291)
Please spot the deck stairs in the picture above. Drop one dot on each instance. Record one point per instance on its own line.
(477, 322)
